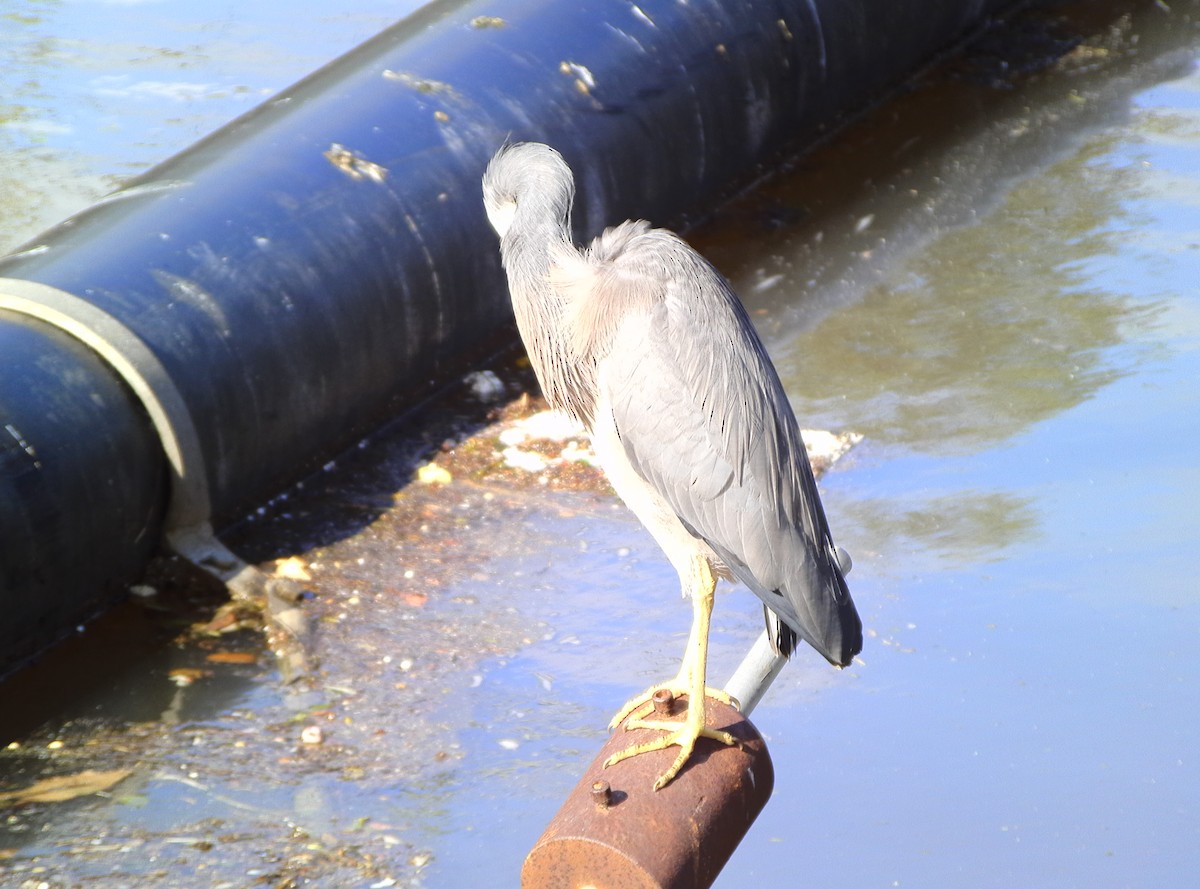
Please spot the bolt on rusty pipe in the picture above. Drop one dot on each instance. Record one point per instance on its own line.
(664, 702)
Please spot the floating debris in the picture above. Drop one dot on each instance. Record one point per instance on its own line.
(421, 84)
(65, 787)
(526, 460)
(767, 282)
(553, 425)
(432, 474)
(232, 657)
(185, 676)
(826, 448)
(230, 617)
(354, 164)
(485, 385)
(292, 568)
(585, 81)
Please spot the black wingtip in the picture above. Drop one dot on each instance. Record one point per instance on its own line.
(851, 635)
(844, 633)
(837, 637)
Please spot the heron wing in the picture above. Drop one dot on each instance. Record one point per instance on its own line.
(704, 421)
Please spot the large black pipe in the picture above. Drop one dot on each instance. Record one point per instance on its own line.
(288, 281)
(82, 486)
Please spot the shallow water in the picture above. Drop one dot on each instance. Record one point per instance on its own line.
(1010, 317)
(97, 91)
(994, 282)
(1021, 511)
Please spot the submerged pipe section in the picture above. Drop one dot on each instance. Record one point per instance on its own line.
(237, 314)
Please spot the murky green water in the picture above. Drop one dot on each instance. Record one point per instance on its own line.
(995, 284)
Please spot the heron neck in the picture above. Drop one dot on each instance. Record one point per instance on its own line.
(538, 309)
(531, 236)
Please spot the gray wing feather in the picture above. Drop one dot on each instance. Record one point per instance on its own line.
(703, 418)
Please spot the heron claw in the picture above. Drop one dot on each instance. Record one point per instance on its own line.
(682, 735)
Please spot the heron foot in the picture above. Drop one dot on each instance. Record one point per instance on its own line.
(642, 705)
(676, 734)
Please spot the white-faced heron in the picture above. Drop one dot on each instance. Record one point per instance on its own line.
(641, 340)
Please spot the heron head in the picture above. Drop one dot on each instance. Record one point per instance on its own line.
(529, 179)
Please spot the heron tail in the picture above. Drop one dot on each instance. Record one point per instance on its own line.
(834, 627)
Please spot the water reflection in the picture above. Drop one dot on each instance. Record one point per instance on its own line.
(94, 93)
(1020, 507)
(27, 127)
(985, 332)
(964, 527)
(890, 310)
(948, 302)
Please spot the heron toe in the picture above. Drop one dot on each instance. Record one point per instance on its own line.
(676, 734)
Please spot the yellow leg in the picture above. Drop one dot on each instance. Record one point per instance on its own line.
(690, 681)
(680, 684)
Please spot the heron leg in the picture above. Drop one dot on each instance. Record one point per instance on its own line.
(690, 681)
(641, 705)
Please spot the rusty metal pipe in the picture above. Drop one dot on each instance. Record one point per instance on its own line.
(616, 832)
